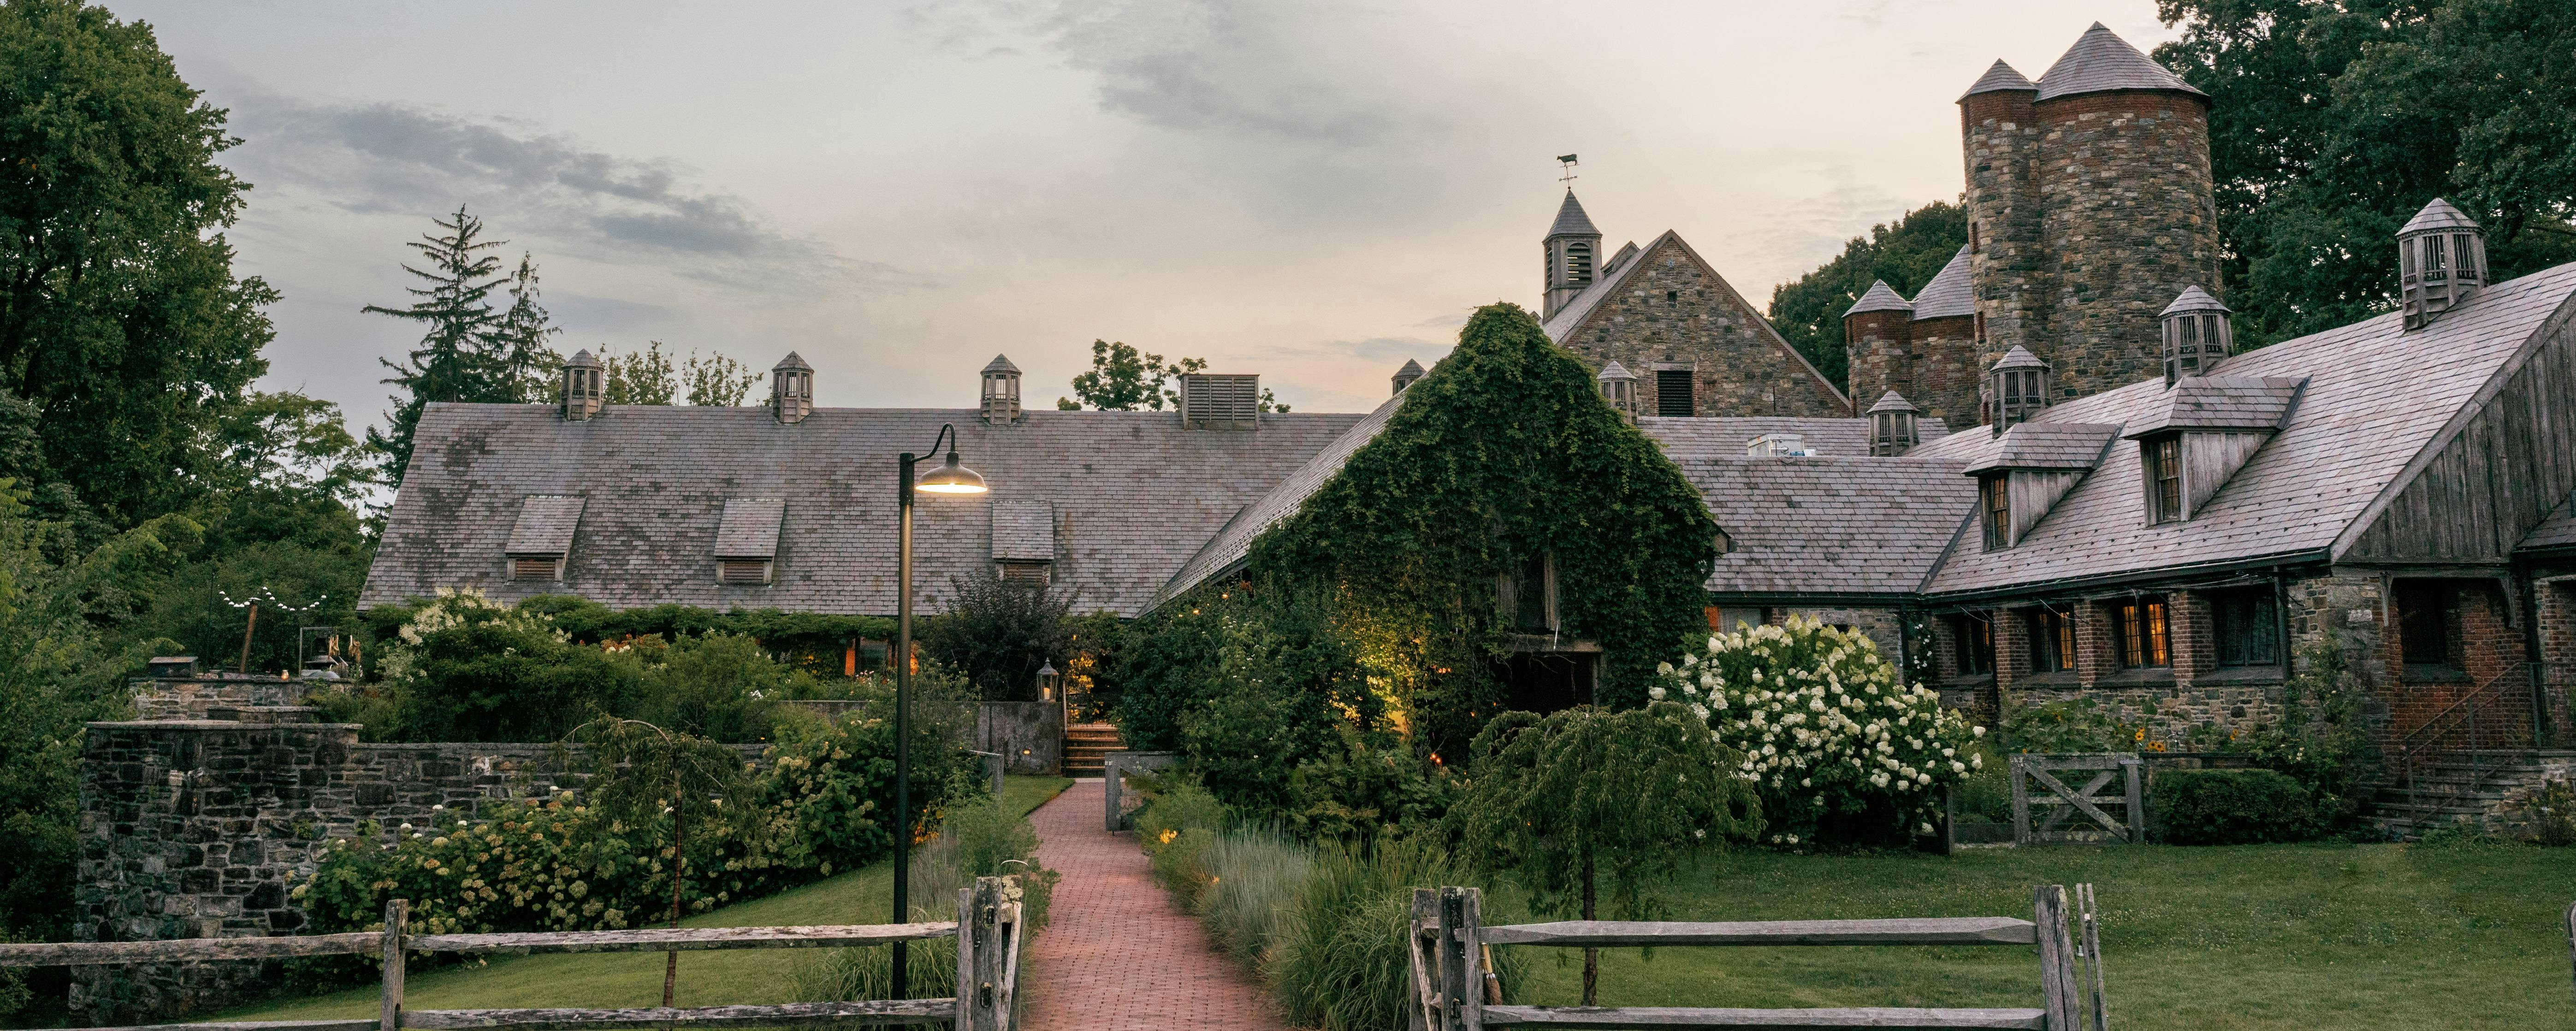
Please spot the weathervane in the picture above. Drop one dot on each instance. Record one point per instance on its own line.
(1568, 163)
(252, 603)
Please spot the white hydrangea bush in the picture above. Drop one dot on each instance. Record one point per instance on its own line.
(454, 608)
(1841, 748)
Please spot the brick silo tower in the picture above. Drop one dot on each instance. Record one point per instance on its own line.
(2091, 205)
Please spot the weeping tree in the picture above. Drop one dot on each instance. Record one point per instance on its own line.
(1589, 799)
(645, 773)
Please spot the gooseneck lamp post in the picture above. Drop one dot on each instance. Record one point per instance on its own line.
(949, 478)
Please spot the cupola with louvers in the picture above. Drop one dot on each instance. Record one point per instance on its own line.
(791, 389)
(582, 383)
(1892, 429)
(2441, 259)
(1001, 397)
(2197, 335)
(1619, 387)
(2016, 389)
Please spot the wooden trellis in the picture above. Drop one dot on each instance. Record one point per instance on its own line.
(2064, 803)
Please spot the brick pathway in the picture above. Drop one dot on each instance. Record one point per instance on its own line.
(1117, 953)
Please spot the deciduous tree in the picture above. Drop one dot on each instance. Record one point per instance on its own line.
(1906, 253)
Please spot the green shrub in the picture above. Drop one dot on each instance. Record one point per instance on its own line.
(720, 686)
(1250, 897)
(1367, 785)
(2232, 807)
(469, 669)
(1341, 964)
(1244, 684)
(1177, 804)
(2069, 726)
(2549, 816)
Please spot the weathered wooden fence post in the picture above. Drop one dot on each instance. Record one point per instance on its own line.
(2056, 958)
(2571, 937)
(2021, 801)
(389, 1007)
(965, 960)
(2091, 943)
(1426, 996)
(983, 923)
(2135, 767)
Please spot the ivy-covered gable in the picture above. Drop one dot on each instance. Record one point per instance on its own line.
(1503, 452)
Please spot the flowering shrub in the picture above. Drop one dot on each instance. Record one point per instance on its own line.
(1842, 750)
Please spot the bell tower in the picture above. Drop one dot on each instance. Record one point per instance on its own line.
(1573, 255)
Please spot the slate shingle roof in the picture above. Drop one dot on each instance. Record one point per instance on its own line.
(1227, 548)
(2047, 445)
(544, 525)
(1879, 297)
(1570, 219)
(2557, 531)
(1948, 294)
(2221, 403)
(2376, 397)
(1998, 78)
(2193, 298)
(1725, 438)
(2438, 215)
(2099, 62)
(1134, 494)
(1024, 531)
(749, 528)
(1832, 525)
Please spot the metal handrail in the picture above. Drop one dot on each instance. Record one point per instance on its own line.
(2432, 739)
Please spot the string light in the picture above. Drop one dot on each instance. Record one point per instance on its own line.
(267, 597)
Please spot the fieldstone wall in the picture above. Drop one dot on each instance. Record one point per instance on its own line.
(1677, 312)
(2007, 262)
(189, 698)
(2171, 711)
(2129, 219)
(1028, 735)
(190, 829)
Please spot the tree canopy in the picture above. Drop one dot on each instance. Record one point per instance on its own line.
(1123, 379)
(1906, 253)
(2333, 121)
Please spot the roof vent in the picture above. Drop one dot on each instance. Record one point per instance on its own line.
(2442, 258)
(542, 537)
(1778, 445)
(1001, 405)
(746, 549)
(582, 385)
(2197, 335)
(1220, 401)
(791, 389)
(1405, 376)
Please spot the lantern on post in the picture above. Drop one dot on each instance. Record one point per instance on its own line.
(1046, 681)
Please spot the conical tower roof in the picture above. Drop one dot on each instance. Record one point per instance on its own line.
(2192, 298)
(1998, 79)
(1001, 364)
(792, 361)
(2437, 215)
(1949, 294)
(2100, 62)
(1892, 402)
(1879, 297)
(2019, 358)
(1570, 220)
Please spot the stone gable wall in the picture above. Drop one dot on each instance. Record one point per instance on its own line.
(1674, 311)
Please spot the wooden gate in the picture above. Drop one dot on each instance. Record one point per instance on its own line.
(2064, 803)
(1452, 991)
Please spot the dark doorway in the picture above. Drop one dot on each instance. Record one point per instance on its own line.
(1546, 681)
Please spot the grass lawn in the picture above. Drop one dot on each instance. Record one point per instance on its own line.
(2270, 936)
(631, 979)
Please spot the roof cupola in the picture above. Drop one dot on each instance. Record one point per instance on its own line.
(2197, 334)
(2442, 259)
(1001, 402)
(791, 389)
(1405, 376)
(1892, 428)
(583, 383)
(2016, 388)
(1573, 247)
(1619, 387)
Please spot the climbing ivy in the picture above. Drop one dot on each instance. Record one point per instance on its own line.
(1504, 451)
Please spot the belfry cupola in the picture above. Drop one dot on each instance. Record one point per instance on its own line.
(1573, 254)
(791, 389)
(2441, 258)
(2016, 388)
(1001, 401)
(2197, 335)
(583, 383)
(1405, 376)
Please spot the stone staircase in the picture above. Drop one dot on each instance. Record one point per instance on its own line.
(1087, 744)
(2479, 786)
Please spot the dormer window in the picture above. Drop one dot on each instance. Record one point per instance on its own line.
(746, 548)
(541, 539)
(2163, 459)
(1994, 502)
(536, 567)
(743, 571)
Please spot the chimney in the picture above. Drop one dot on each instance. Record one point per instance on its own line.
(583, 383)
(2442, 259)
(2197, 335)
(791, 389)
(1218, 401)
(1619, 387)
(1001, 401)
(1405, 376)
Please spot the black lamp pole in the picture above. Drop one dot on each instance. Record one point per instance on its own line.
(949, 478)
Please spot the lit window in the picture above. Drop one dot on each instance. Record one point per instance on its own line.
(2145, 639)
(2052, 642)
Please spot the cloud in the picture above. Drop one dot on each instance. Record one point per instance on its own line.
(377, 158)
(1289, 72)
(1374, 350)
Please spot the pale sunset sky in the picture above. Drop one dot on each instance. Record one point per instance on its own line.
(1313, 191)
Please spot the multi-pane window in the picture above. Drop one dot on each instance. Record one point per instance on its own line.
(2164, 477)
(1529, 594)
(1995, 501)
(1976, 644)
(2052, 642)
(2145, 638)
(2424, 616)
(2248, 625)
(1673, 393)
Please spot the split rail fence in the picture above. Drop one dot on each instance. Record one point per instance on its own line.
(1452, 990)
(988, 963)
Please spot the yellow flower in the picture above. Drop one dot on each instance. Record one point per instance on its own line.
(1168, 835)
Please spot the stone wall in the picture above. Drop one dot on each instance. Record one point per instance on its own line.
(189, 698)
(1677, 313)
(1028, 735)
(190, 829)
(2129, 220)
(2171, 712)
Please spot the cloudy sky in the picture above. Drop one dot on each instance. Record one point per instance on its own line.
(1314, 191)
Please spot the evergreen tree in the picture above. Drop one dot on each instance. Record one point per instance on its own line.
(517, 340)
(121, 321)
(1907, 253)
(454, 360)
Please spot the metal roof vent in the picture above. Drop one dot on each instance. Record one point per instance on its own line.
(1220, 401)
(1778, 445)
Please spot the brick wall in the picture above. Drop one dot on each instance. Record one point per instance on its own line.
(2194, 636)
(2012, 655)
(1675, 310)
(2557, 615)
(2097, 642)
